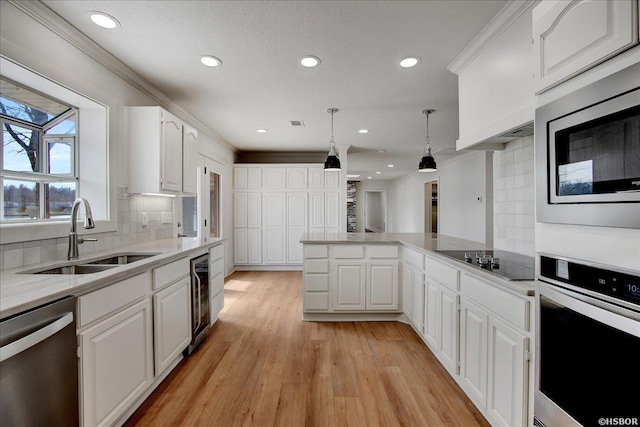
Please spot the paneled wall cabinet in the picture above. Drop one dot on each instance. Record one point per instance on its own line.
(350, 278)
(571, 37)
(274, 205)
(162, 152)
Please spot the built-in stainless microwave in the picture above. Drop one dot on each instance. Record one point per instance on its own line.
(588, 154)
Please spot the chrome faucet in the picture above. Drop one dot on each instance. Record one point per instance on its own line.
(74, 240)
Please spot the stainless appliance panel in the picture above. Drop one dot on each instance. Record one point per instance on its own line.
(200, 315)
(39, 367)
(605, 97)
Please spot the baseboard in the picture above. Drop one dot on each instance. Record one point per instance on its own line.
(351, 317)
(274, 267)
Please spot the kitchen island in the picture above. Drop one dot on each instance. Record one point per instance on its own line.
(478, 322)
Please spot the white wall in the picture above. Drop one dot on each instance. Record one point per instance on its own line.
(462, 181)
(375, 211)
(42, 42)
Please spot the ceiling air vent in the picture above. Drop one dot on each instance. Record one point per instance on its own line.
(297, 123)
(525, 130)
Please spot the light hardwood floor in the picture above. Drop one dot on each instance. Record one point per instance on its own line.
(263, 366)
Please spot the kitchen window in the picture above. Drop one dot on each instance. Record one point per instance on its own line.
(38, 174)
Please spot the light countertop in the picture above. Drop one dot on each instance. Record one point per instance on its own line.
(429, 244)
(20, 292)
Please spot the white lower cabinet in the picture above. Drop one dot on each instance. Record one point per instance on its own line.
(407, 290)
(382, 285)
(417, 299)
(349, 285)
(473, 351)
(448, 328)
(116, 364)
(172, 323)
(432, 289)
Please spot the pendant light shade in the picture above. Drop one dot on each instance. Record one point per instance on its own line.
(333, 162)
(427, 163)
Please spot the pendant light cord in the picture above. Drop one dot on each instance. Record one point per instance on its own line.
(332, 143)
(427, 149)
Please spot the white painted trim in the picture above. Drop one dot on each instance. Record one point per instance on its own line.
(498, 24)
(54, 23)
(354, 317)
(260, 267)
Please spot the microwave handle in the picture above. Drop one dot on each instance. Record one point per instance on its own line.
(196, 301)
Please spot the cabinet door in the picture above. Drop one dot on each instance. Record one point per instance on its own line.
(316, 178)
(349, 286)
(274, 242)
(172, 323)
(417, 309)
(570, 37)
(296, 178)
(274, 210)
(254, 246)
(316, 210)
(507, 389)
(240, 249)
(254, 209)
(331, 179)
(294, 247)
(240, 177)
(431, 314)
(189, 154)
(117, 364)
(274, 246)
(171, 173)
(240, 209)
(254, 177)
(273, 178)
(407, 290)
(473, 351)
(297, 210)
(382, 285)
(448, 328)
(332, 210)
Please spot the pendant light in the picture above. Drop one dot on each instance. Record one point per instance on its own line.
(332, 163)
(427, 163)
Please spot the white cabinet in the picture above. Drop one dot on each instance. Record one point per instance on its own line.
(297, 216)
(473, 351)
(448, 320)
(247, 220)
(116, 363)
(407, 290)
(332, 210)
(240, 246)
(172, 323)
(316, 178)
(417, 302)
(316, 211)
(274, 178)
(247, 210)
(296, 178)
(162, 152)
(216, 281)
(431, 315)
(495, 85)
(247, 177)
(572, 36)
(189, 155)
(349, 285)
(382, 285)
(274, 228)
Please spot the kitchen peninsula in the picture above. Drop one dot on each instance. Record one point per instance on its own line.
(476, 317)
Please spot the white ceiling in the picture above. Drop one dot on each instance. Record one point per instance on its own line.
(262, 85)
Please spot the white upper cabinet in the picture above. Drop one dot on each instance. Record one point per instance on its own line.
(189, 154)
(495, 83)
(274, 178)
(331, 179)
(570, 37)
(161, 160)
(240, 177)
(316, 178)
(296, 178)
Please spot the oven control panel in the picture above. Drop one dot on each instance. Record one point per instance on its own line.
(607, 282)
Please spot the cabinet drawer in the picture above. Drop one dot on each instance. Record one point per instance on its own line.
(316, 266)
(216, 253)
(216, 267)
(509, 307)
(414, 258)
(383, 251)
(316, 251)
(443, 273)
(316, 301)
(169, 273)
(103, 301)
(348, 251)
(316, 282)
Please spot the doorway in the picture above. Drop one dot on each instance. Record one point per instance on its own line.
(431, 207)
(375, 211)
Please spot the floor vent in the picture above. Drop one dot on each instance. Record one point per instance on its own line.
(538, 423)
(297, 123)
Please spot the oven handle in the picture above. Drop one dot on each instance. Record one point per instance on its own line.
(586, 306)
(25, 343)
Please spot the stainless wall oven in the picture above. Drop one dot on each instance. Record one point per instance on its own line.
(587, 345)
(588, 154)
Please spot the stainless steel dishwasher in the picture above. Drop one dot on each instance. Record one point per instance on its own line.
(39, 367)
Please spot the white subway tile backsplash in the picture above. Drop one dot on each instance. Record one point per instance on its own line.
(513, 195)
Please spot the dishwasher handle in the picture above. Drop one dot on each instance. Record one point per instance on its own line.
(25, 343)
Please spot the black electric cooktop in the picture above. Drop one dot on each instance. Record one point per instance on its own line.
(508, 265)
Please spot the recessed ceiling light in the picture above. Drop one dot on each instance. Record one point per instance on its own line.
(378, 172)
(353, 176)
(382, 151)
(409, 62)
(368, 177)
(103, 20)
(210, 61)
(261, 130)
(310, 61)
(363, 131)
(389, 166)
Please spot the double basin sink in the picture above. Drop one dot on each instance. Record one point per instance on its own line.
(93, 266)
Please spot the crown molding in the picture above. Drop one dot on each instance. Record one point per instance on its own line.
(509, 13)
(63, 29)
